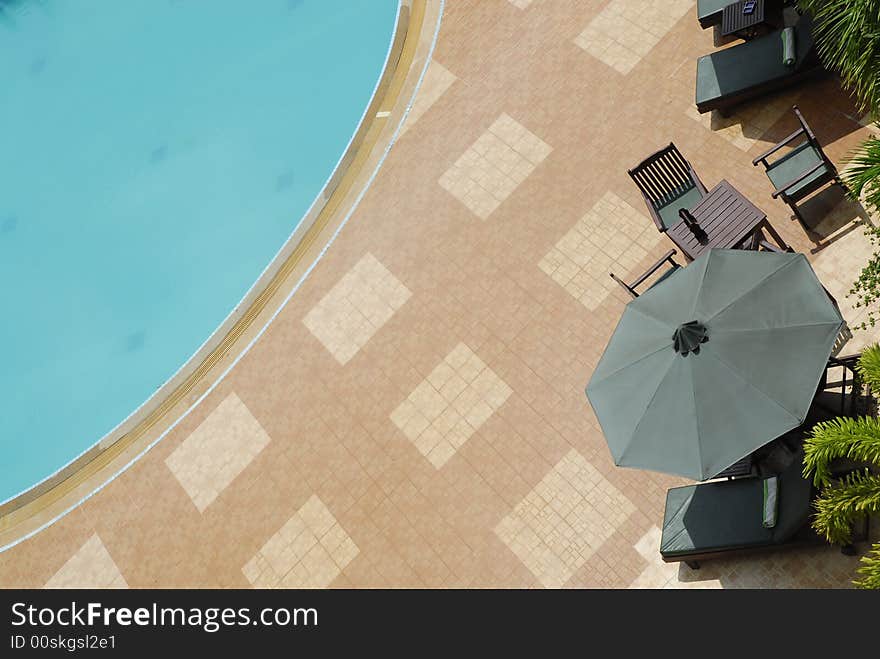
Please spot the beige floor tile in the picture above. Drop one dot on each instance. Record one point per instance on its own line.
(611, 237)
(450, 405)
(309, 551)
(356, 308)
(626, 30)
(437, 80)
(90, 567)
(492, 168)
(746, 125)
(564, 520)
(221, 448)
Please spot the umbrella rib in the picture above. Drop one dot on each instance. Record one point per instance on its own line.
(756, 388)
(627, 365)
(645, 314)
(642, 414)
(697, 422)
(760, 282)
(781, 327)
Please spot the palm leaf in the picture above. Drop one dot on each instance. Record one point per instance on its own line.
(857, 439)
(839, 506)
(870, 569)
(847, 34)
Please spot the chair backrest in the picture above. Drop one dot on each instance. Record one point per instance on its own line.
(810, 135)
(664, 176)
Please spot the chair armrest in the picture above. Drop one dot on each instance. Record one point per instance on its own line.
(628, 288)
(812, 170)
(650, 271)
(763, 157)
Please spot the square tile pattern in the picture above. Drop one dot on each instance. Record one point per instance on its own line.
(437, 80)
(748, 124)
(90, 567)
(493, 166)
(567, 516)
(611, 237)
(450, 405)
(309, 551)
(217, 451)
(626, 30)
(356, 308)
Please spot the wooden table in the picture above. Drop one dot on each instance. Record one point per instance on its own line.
(745, 26)
(728, 219)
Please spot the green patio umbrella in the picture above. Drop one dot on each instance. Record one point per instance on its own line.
(715, 361)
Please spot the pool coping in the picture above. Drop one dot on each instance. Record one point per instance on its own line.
(408, 56)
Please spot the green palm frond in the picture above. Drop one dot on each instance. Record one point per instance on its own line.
(839, 506)
(847, 34)
(870, 570)
(868, 366)
(857, 439)
(862, 174)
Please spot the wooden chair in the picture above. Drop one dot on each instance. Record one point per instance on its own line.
(667, 183)
(801, 171)
(667, 258)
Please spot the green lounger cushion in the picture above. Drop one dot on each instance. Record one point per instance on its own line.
(707, 9)
(727, 514)
(771, 498)
(794, 163)
(668, 211)
(740, 68)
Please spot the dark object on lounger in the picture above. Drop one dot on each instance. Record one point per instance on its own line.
(709, 12)
(734, 75)
(801, 171)
(667, 183)
(712, 519)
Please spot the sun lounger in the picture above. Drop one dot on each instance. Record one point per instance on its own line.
(734, 75)
(720, 518)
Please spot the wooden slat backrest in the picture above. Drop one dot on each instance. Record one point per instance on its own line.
(663, 176)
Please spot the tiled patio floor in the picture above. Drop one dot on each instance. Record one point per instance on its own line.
(416, 415)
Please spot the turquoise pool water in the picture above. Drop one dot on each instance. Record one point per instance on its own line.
(154, 156)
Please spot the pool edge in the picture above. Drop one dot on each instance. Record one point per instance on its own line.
(409, 54)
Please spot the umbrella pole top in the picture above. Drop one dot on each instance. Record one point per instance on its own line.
(688, 336)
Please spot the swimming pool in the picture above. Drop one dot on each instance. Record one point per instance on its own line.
(155, 155)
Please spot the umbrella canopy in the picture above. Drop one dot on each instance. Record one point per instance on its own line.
(722, 357)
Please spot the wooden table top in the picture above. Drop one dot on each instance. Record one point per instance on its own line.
(725, 215)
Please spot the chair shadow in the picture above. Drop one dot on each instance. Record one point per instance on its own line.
(831, 214)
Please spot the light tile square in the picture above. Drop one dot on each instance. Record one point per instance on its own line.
(309, 551)
(437, 80)
(490, 170)
(748, 124)
(90, 567)
(611, 237)
(356, 308)
(217, 451)
(626, 30)
(567, 516)
(439, 420)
